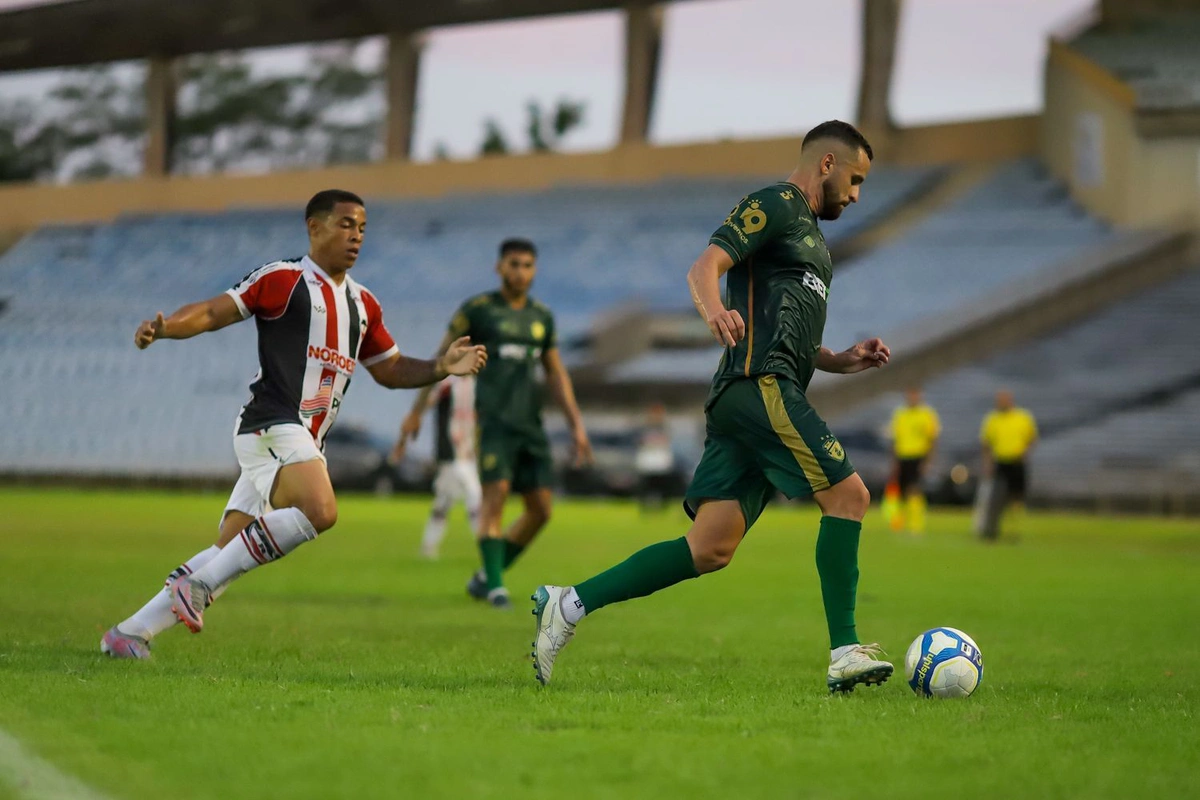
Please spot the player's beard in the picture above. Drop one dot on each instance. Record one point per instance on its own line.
(512, 288)
(831, 203)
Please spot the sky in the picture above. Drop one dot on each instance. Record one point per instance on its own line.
(729, 68)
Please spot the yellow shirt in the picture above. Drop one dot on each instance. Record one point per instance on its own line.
(1008, 434)
(914, 431)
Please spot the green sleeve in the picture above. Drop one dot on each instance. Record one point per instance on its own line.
(756, 220)
(460, 324)
(551, 332)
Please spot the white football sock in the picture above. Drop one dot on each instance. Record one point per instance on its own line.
(571, 607)
(268, 538)
(156, 616)
(838, 652)
(435, 531)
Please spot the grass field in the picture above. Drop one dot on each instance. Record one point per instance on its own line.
(354, 670)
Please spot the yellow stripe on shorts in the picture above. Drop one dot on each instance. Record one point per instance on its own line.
(787, 433)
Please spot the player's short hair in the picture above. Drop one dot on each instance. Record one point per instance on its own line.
(517, 245)
(843, 132)
(323, 202)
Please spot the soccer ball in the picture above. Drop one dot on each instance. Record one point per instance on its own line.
(943, 662)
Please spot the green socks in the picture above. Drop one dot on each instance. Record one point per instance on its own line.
(645, 572)
(492, 553)
(837, 564)
(511, 551)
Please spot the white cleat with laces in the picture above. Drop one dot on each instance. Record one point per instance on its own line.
(860, 664)
(553, 631)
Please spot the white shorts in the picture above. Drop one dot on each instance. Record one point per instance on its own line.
(260, 456)
(457, 480)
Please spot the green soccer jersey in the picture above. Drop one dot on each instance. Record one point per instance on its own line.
(507, 393)
(779, 283)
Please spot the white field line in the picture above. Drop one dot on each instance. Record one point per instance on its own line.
(34, 778)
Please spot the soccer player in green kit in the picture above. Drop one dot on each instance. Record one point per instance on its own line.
(514, 453)
(762, 435)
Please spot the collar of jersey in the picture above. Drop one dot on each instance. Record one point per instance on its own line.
(322, 274)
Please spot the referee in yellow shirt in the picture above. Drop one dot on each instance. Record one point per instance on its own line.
(915, 429)
(1008, 435)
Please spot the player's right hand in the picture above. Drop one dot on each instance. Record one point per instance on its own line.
(149, 331)
(727, 326)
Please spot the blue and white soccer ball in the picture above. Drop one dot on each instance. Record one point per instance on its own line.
(943, 662)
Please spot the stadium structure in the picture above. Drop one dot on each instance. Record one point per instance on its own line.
(1055, 254)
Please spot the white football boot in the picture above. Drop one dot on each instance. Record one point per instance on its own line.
(859, 665)
(553, 631)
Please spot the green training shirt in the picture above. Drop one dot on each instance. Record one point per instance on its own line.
(779, 283)
(507, 392)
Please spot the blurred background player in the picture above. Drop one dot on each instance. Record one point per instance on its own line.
(457, 477)
(914, 431)
(315, 323)
(514, 452)
(655, 460)
(762, 435)
(1008, 435)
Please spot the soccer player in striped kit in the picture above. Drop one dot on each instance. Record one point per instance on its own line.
(315, 325)
(453, 404)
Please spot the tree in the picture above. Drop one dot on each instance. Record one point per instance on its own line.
(543, 136)
(89, 125)
(494, 141)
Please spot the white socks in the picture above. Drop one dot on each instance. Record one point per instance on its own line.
(435, 531)
(571, 607)
(156, 616)
(268, 538)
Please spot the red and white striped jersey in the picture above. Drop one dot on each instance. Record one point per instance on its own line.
(310, 334)
(454, 404)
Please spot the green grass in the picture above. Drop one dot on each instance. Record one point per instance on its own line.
(353, 670)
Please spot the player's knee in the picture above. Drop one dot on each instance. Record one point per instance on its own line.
(712, 556)
(322, 513)
(849, 499)
(539, 514)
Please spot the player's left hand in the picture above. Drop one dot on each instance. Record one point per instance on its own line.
(397, 453)
(582, 448)
(867, 354)
(464, 358)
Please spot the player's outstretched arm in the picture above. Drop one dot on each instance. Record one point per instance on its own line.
(190, 320)
(564, 394)
(704, 281)
(867, 354)
(402, 372)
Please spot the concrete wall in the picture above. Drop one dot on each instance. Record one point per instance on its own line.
(1090, 138)
(29, 205)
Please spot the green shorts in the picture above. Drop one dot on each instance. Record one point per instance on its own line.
(762, 436)
(522, 459)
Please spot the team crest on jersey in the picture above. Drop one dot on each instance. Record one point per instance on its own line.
(538, 331)
(811, 242)
(834, 448)
(489, 461)
(320, 402)
(754, 219)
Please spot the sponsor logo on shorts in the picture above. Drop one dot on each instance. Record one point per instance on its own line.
(332, 358)
(834, 448)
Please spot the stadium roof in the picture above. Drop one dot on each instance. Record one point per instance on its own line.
(93, 31)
